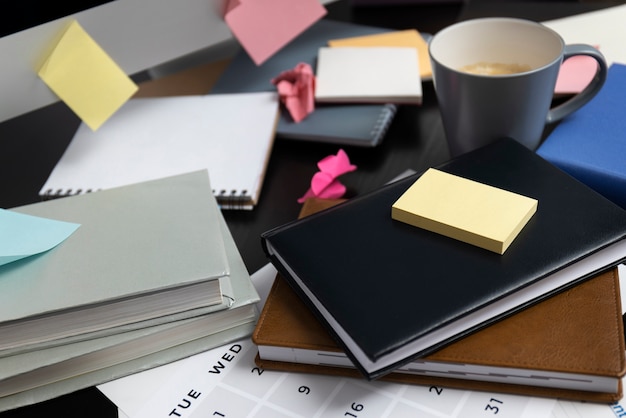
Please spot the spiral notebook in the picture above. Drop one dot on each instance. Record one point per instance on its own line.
(230, 135)
(362, 125)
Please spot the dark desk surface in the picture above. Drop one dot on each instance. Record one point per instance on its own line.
(31, 144)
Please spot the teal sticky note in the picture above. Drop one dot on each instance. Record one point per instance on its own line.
(25, 235)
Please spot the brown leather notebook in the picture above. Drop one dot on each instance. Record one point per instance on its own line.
(569, 346)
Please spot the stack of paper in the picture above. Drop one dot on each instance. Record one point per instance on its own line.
(151, 275)
(410, 38)
(377, 68)
(368, 75)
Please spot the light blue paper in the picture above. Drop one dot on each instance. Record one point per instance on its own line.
(25, 235)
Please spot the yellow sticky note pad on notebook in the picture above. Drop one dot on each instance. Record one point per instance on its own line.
(401, 38)
(85, 77)
(463, 209)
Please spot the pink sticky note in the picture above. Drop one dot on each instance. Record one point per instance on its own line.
(332, 189)
(575, 74)
(263, 27)
(336, 165)
(325, 189)
(324, 183)
(296, 89)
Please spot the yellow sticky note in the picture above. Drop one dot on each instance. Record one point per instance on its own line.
(85, 77)
(402, 38)
(463, 209)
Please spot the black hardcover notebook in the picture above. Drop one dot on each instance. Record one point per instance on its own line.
(390, 292)
(346, 124)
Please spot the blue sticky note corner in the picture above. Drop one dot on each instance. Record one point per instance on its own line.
(25, 235)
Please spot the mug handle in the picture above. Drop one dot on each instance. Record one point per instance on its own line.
(559, 112)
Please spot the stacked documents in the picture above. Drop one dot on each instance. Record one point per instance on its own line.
(150, 275)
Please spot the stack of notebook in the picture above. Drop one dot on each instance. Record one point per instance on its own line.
(361, 294)
(150, 276)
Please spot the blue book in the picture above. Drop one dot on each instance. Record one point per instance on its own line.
(590, 144)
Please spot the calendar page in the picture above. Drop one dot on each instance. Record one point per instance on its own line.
(225, 382)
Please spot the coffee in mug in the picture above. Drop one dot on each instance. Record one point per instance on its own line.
(495, 68)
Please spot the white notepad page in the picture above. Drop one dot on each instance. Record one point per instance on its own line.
(231, 135)
(368, 75)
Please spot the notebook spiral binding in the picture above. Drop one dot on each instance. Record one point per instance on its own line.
(54, 194)
(383, 122)
(227, 200)
(234, 199)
